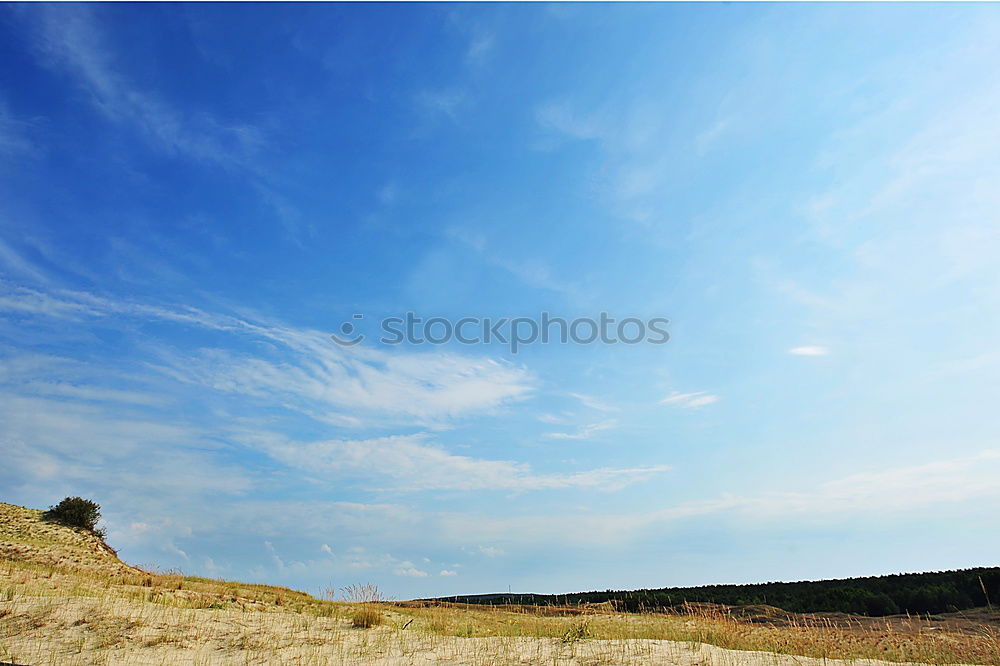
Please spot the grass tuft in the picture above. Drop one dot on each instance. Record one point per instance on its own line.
(367, 617)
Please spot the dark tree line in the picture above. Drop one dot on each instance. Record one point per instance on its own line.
(935, 592)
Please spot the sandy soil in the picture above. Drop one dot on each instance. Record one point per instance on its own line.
(73, 630)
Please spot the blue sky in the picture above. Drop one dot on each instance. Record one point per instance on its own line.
(194, 197)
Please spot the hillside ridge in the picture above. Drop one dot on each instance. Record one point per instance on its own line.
(26, 536)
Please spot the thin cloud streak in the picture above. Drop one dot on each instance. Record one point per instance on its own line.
(689, 400)
(417, 464)
(584, 432)
(809, 350)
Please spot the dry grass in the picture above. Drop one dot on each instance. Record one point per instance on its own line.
(367, 617)
(67, 599)
(912, 641)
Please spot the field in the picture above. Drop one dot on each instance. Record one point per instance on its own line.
(65, 598)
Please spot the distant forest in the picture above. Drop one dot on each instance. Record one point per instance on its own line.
(935, 592)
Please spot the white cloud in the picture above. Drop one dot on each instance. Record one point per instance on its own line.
(532, 271)
(20, 300)
(593, 403)
(171, 547)
(480, 47)
(388, 194)
(689, 400)
(321, 380)
(447, 572)
(302, 369)
(91, 393)
(414, 463)
(892, 490)
(881, 495)
(584, 432)
(709, 138)
(560, 117)
(407, 568)
(445, 102)
(69, 38)
(490, 551)
(57, 425)
(15, 262)
(14, 138)
(809, 350)
(635, 168)
(275, 558)
(916, 228)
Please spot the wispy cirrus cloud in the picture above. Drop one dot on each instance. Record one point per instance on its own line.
(353, 388)
(445, 102)
(809, 350)
(15, 134)
(347, 560)
(70, 39)
(633, 139)
(582, 430)
(689, 400)
(590, 402)
(562, 118)
(303, 370)
(14, 263)
(585, 431)
(414, 462)
(480, 47)
(531, 271)
(290, 369)
(878, 495)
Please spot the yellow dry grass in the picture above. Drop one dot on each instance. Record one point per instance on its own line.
(65, 598)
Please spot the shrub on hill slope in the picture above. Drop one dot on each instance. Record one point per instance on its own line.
(76, 512)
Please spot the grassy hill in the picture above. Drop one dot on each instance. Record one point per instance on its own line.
(66, 598)
(920, 593)
(26, 537)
